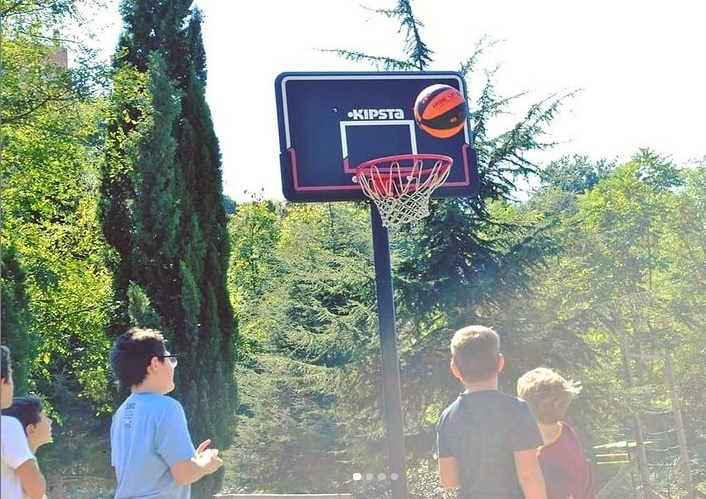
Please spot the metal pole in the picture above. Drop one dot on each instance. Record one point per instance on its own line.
(390, 365)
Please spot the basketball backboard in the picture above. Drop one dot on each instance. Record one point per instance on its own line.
(331, 122)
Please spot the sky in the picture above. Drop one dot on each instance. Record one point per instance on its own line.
(638, 67)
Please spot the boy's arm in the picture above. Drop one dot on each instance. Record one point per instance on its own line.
(33, 482)
(529, 474)
(448, 473)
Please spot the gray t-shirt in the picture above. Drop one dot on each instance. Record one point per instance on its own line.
(482, 430)
(148, 435)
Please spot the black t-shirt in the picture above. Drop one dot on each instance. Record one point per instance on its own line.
(482, 430)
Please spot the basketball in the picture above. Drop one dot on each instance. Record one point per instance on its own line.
(440, 110)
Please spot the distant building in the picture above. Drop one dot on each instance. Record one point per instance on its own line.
(60, 56)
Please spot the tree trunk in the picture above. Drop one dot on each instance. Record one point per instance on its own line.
(681, 437)
(639, 438)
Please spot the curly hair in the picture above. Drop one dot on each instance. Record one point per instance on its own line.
(548, 393)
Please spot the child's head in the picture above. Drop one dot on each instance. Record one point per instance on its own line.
(475, 353)
(29, 411)
(135, 351)
(548, 393)
(7, 387)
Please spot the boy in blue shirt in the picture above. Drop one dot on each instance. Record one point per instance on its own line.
(151, 448)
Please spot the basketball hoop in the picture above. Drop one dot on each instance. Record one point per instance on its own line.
(401, 186)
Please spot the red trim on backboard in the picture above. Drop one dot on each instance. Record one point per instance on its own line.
(354, 186)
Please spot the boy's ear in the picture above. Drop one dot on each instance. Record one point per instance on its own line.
(455, 370)
(501, 362)
(29, 429)
(154, 364)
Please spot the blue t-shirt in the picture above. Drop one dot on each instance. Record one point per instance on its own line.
(482, 430)
(148, 435)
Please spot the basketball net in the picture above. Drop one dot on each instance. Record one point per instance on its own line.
(401, 186)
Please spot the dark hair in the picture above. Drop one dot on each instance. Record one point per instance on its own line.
(475, 351)
(4, 362)
(26, 409)
(132, 353)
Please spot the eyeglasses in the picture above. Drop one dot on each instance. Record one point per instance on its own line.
(172, 358)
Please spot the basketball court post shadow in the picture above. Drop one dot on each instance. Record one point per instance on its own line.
(332, 123)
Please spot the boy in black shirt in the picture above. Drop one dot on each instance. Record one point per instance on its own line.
(487, 440)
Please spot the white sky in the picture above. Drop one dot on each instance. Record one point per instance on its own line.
(640, 65)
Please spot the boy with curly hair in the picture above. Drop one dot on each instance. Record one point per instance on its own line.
(567, 473)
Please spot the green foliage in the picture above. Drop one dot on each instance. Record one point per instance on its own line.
(305, 296)
(574, 175)
(140, 309)
(48, 185)
(24, 15)
(30, 79)
(14, 319)
(254, 234)
(288, 413)
(56, 289)
(623, 282)
(418, 55)
(49, 180)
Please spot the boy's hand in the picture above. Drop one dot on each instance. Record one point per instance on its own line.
(202, 446)
(208, 458)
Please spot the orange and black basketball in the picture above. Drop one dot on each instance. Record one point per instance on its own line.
(441, 110)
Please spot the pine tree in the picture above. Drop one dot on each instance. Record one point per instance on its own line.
(163, 211)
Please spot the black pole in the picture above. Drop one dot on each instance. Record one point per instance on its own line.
(390, 365)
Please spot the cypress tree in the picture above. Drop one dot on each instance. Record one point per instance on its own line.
(163, 211)
(14, 317)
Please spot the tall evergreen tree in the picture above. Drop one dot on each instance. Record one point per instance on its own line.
(14, 316)
(163, 212)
